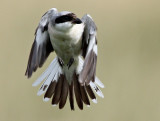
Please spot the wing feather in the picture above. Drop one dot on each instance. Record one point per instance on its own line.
(41, 47)
(89, 51)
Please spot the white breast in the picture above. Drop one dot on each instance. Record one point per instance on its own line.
(67, 44)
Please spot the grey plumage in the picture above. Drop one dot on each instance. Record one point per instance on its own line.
(89, 41)
(89, 30)
(41, 47)
(72, 39)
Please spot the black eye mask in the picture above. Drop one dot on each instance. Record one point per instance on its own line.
(65, 18)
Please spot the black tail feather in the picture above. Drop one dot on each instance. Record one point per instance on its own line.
(50, 90)
(90, 92)
(58, 90)
(77, 92)
(71, 96)
(84, 95)
(64, 94)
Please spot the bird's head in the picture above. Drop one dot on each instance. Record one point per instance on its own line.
(66, 20)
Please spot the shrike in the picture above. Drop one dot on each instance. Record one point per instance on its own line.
(73, 70)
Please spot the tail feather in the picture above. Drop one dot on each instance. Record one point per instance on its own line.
(64, 94)
(77, 92)
(71, 96)
(96, 89)
(98, 82)
(48, 80)
(84, 95)
(90, 93)
(56, 85)
(45, 73)
(57, 94)
(50, 91)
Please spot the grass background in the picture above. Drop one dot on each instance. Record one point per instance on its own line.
(128, 60)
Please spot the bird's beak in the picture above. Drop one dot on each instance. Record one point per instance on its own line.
(77, 21)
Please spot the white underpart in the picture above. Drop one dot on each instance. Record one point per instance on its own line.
(67, 43)
(63, 26)
(76, 32)
(96, 89)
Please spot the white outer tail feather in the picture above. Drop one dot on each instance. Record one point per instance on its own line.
(45, 73)
(98, 82)
(50, 74)
(53, 72)
(96, 89)
(48, 80)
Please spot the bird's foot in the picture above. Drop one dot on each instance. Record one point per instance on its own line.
(70, 62)
(61, 63)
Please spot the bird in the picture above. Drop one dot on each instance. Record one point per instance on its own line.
(72, 73)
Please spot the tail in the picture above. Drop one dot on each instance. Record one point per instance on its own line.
(57, 87)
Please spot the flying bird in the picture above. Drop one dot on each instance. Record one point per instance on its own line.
(72, 71)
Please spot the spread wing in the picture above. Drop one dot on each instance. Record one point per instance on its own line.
(89, 51)
(41, 47)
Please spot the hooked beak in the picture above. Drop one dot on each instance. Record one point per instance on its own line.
(77, 21)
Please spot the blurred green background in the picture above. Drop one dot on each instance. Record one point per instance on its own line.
(128, 60)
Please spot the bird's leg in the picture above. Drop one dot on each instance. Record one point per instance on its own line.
(61, 63)
(70, 62)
